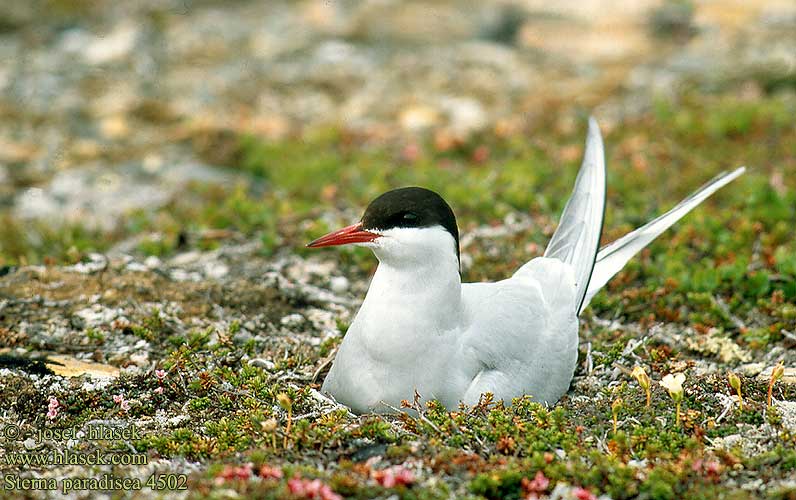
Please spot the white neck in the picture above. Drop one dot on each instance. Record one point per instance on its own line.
(419, 273)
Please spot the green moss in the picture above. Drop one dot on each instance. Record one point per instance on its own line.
(729, 265)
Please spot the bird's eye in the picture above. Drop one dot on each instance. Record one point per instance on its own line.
(409, 216)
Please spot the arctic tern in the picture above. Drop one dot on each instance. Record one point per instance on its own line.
(421, 329)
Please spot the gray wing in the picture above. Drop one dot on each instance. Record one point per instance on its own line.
(577, 237)
(613, 257)
(524, 333)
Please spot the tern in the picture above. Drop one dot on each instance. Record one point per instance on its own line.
(421, 330)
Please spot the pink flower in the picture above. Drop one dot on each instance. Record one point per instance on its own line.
(159, 390)
(268, 472)
(583, 494)
(709, 468)
(713, 468)
(160, 374)
(230, 472)
(123, 403)
(244, 471)
(481, 154)
(296, 486)
(411, 152)
(52, 407)
(536, 485)
(311, 489)
(393, 476)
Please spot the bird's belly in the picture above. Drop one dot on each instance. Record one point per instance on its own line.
(375, 376)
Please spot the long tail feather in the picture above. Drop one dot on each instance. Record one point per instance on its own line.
(613, 257)
(577, 237)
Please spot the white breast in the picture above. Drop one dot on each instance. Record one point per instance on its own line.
(420, 330)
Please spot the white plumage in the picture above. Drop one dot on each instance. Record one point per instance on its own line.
(420, 329)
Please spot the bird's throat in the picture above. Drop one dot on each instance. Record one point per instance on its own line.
(432, 292)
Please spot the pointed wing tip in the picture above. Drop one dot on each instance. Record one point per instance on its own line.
(593, 125)
(594, 136)
(726, 177)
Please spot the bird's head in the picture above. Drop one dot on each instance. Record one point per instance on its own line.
(407, 226)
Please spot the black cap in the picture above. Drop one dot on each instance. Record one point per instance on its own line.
(411, 207)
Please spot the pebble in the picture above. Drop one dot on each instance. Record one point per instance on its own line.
(751, 369)
(418, 118)
(152, 262)
(140, 359)
(97, 315)
(787, 411)
(339, 284)
(292, 320)
(216, 270)
(185, 258)
(137, 267)
(266, 364)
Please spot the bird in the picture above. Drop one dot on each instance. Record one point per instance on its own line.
(421, 332)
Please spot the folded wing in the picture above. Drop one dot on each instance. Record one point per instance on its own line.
(577, 237)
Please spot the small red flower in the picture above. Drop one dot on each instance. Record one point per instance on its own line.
(268, 472)
(231, 472)
(536, 486)
(314, 489)
(583, 494)
(393, 476)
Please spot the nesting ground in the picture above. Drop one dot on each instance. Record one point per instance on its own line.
(162, 167)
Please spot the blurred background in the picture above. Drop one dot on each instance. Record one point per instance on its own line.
(156, 127)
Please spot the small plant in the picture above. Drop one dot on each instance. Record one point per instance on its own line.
(287, 405)
(644, 381)
(776, 374)
(735, 383)
(674, 384)
(269, 427)
(615, 407)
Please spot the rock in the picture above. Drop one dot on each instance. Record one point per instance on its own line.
(292, 320)
(137, 267)
(465, 114)
(263, 363)
(96, 315)
(152, 262)
(751, 369)
(98, 49)
(140, 359)
(417, 118)
(787, 411)
(216, 270)
(339, 284)
(185, 258)
(411, 21)
(97, 262)
(242, 337)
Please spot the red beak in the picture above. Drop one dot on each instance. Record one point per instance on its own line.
(350, 234)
